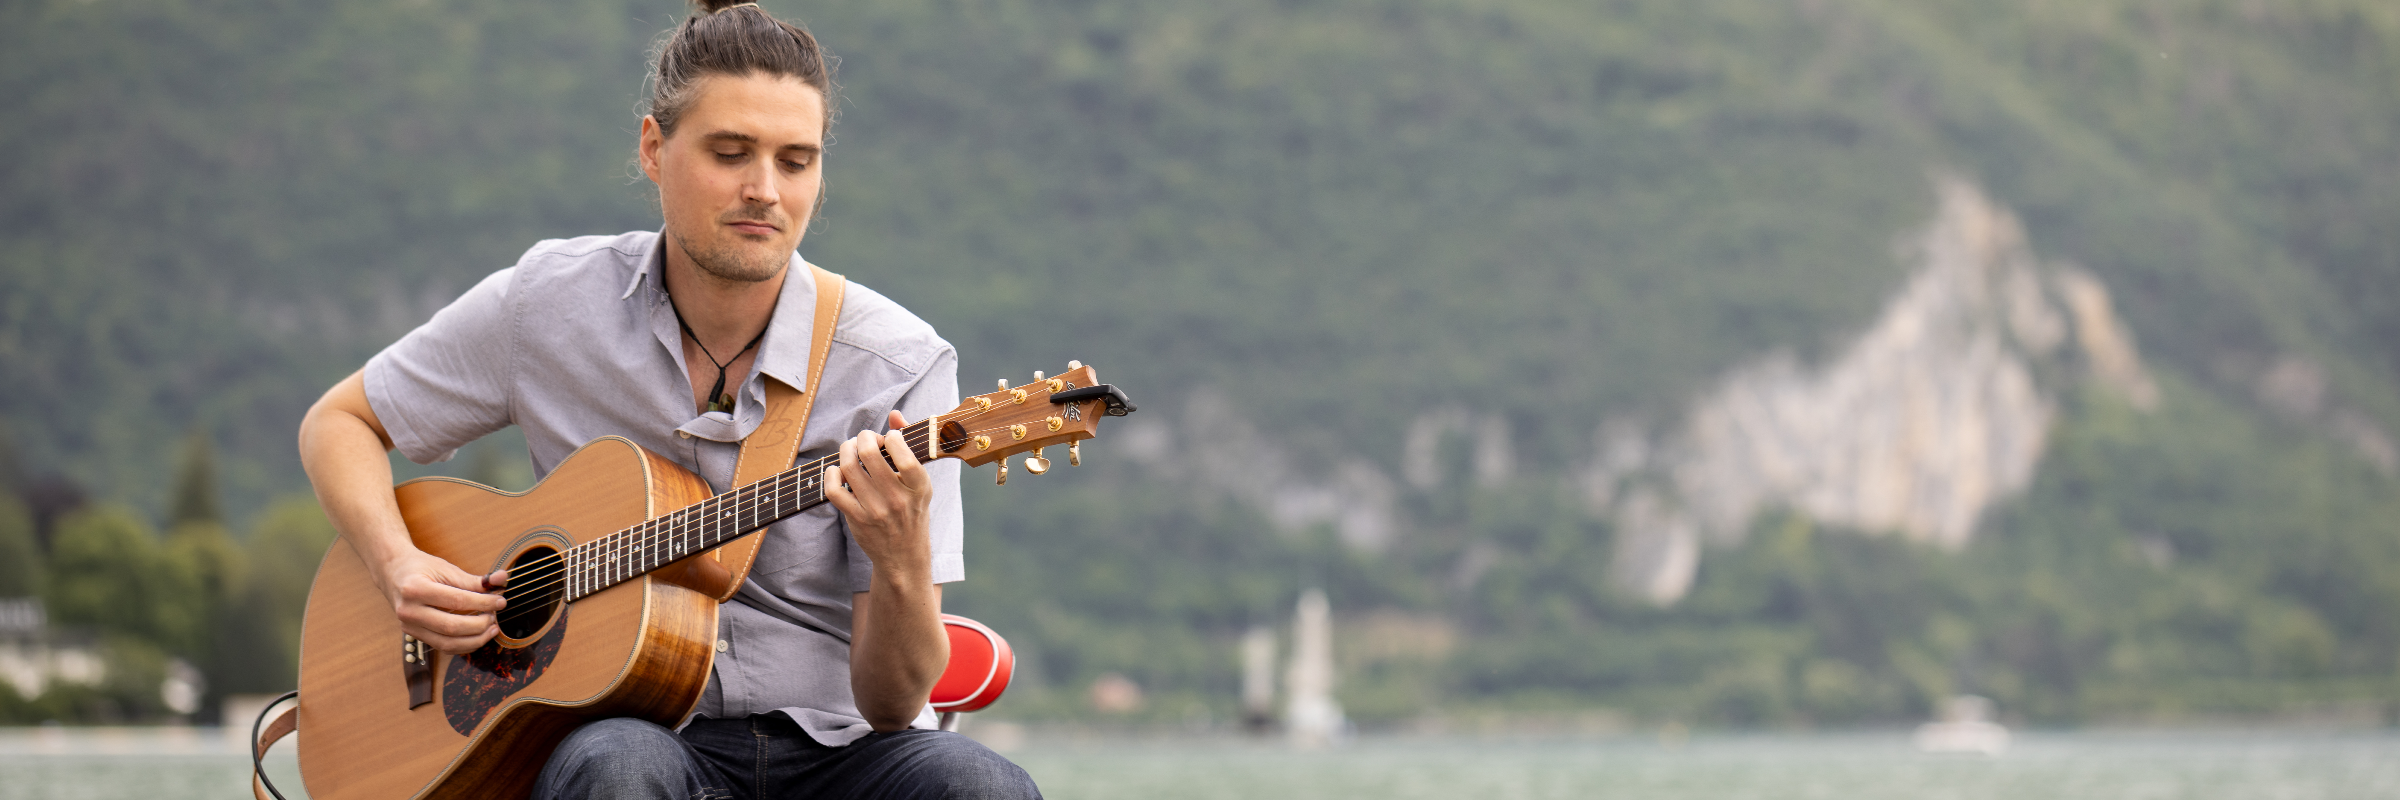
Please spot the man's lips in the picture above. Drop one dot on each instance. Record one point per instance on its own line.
(753, 228)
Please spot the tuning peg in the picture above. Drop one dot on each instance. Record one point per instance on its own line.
(1003, 383)
(1074, 365)
(1003, 479)
(1037, 376)
(1036, 464)
(1075, 453)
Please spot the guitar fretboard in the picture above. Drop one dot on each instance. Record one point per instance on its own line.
(617, 557)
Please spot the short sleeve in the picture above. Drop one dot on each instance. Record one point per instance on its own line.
(934, 393)
(447, 382)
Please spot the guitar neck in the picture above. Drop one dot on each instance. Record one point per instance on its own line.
(617, 557)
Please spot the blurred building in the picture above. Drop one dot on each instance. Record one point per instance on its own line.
(33, 657)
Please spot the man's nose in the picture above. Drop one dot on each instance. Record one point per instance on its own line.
(758, 188)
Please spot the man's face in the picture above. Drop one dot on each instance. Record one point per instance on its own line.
(739, 178)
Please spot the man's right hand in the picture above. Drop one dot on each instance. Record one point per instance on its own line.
(452, 609)
(342, 445)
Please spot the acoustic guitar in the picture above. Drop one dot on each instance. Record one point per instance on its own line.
(611, 601)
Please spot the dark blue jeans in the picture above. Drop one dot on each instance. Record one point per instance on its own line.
(768, 756)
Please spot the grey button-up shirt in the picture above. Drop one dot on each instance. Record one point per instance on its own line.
(578, 341)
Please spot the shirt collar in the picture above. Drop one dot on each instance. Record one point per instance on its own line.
(782, 355)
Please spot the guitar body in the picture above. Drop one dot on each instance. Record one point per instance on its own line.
(641, 648)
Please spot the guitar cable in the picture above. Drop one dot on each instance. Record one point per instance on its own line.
(258, 755)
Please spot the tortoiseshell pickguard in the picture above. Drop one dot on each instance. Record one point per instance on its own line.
(477, 682)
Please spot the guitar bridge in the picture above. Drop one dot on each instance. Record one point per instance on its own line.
(416, 666)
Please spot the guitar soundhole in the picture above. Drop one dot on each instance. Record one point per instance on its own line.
(535, 584)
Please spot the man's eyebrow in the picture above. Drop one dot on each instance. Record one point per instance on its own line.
(737, 136)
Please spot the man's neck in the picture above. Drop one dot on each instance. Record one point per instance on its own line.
(723, 314)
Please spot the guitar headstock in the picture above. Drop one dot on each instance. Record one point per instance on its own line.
(1050, 411)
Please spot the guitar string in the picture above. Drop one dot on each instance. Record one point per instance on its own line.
(751, 506)
(643, 539)
(691, 523)
(608, 551)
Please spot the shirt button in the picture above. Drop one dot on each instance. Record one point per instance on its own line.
(722, 646)
(683, 434)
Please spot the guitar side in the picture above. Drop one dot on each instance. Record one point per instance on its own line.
(642, 648)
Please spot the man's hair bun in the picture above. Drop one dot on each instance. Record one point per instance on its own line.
(742, 43)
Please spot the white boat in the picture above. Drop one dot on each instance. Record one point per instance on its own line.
(1966, 727)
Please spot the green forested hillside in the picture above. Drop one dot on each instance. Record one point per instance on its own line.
(1340, 214)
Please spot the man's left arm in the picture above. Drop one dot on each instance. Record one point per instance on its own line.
(897, 646)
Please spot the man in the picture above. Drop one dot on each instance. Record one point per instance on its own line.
(828, 654)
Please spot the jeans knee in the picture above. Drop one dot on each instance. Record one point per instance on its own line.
(618, 758)
(972, 771)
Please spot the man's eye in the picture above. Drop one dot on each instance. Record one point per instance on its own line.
(795, 166)
(729, 157)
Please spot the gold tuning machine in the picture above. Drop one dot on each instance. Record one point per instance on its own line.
(1036, 464)
(1075, 453)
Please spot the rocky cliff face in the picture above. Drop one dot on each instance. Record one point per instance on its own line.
(1916, 427)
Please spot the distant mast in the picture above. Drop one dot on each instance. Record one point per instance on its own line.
(1258, 679)
(1313, 718)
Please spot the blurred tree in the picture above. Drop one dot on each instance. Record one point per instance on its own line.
(198, 544)
(260, 648)
(20, 555)
(195, 498)
(109, 571)
(12, 472)
(205, 551)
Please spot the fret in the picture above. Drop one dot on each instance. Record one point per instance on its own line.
(750, 509)
(605, 561)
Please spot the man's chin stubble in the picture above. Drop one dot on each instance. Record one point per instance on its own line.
(725, 263)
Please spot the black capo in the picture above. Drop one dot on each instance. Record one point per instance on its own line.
(1118, 404)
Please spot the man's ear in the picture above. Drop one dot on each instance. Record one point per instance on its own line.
(653, 140)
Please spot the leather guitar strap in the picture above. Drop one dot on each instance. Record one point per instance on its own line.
(773, 447)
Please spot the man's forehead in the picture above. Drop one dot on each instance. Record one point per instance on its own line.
(776, 111)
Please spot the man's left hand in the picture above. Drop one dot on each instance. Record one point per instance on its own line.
(883, 494)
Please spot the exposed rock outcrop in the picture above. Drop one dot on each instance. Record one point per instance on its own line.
(1213, 446)
(1916, 427)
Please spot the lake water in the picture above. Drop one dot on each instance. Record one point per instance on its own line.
(166, 764)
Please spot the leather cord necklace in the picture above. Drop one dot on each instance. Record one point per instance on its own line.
(717, 399)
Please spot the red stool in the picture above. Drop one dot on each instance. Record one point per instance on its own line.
(979, 670)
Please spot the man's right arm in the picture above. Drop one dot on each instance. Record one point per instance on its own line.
(343, 446)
